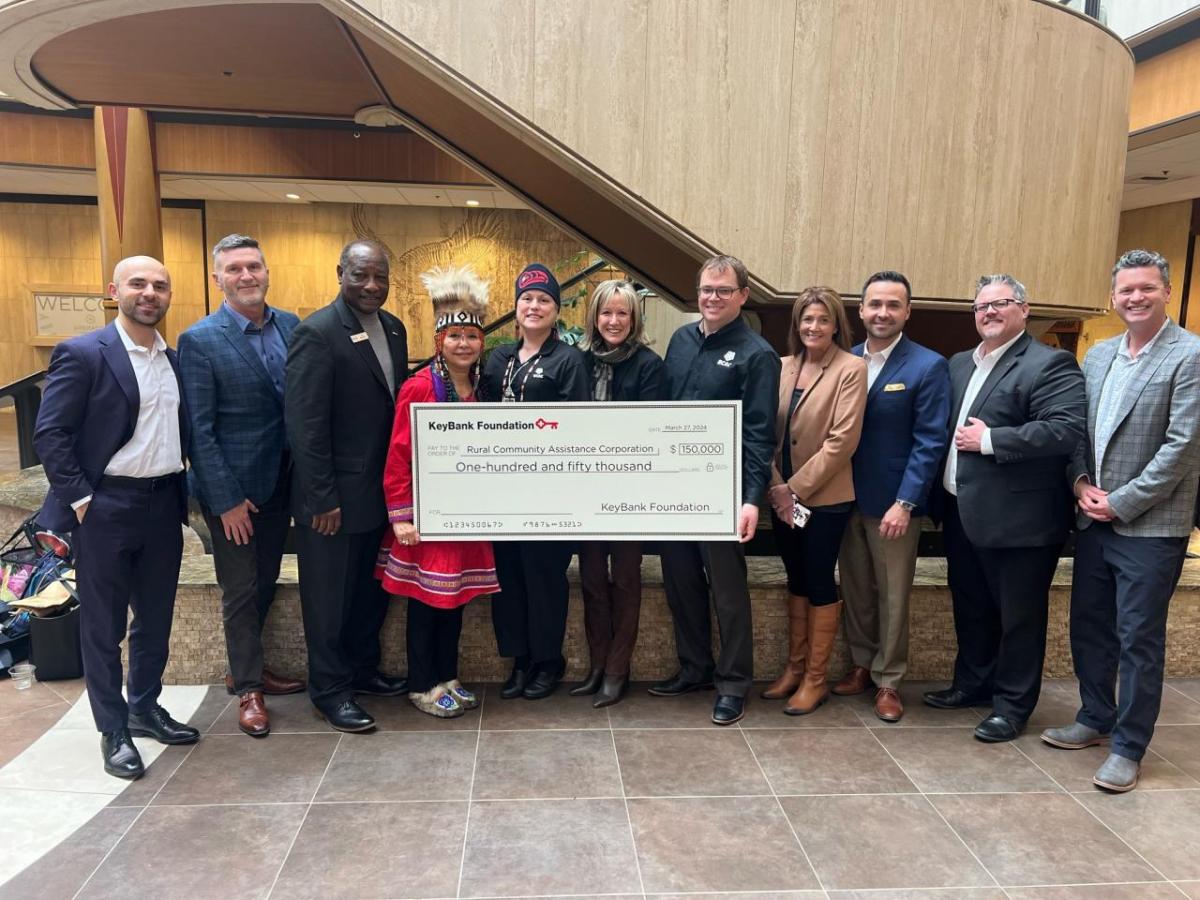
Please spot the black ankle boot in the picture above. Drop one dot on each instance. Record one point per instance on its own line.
(589, 685)
(611, 690)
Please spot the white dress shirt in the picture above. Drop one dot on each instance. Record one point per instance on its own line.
(154, 449)
(984, 363)
(877, 360)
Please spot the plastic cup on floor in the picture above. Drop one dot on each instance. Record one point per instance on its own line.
(22, 674)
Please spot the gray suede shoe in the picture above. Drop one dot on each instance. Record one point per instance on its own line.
(1075, 736)
(1117, 774)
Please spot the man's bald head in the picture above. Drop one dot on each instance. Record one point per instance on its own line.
(141, 286)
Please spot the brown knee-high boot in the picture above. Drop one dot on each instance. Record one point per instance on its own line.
(822, 631)
(793, 671)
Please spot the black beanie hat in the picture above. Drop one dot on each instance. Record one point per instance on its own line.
(536, 277)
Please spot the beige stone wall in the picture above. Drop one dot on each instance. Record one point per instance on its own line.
(198, 650)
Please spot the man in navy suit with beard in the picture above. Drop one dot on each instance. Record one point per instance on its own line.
(111, 433)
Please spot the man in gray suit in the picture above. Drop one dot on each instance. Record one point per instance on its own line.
(1135, 478)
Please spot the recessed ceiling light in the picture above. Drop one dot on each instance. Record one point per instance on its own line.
(292, 196)
(472, 203)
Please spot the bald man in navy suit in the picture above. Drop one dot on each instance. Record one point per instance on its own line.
(111, 433)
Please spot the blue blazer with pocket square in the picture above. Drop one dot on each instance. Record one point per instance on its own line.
(904, 430)
(237, 436)
(89, 411)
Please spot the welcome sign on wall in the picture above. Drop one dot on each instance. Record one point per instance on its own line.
(57, 312)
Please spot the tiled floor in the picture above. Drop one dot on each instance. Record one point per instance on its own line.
(554, 799)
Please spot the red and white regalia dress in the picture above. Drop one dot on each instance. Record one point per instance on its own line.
(442, 574)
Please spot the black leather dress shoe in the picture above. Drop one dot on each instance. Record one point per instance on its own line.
(544, 680)
(379, 685)
(158, 724)
(121, 758)
(589, 685)
(515, 685)
(612, 689)
(996, 728)
(953, 698)
(676, 685)
(347, 716)
(728, 709)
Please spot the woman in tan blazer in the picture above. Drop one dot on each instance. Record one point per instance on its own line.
(822, 395)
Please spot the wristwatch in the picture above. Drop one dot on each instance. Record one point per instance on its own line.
(906, 506)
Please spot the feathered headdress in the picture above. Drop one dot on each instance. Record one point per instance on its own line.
(460, 297)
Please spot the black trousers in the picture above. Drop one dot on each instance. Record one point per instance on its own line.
(127, 554)
(810, 553)
(1000, 598)
(432, 637)
(247, 574)
(344, 607)
(691, 571)
(529, 614)
(1120, 592)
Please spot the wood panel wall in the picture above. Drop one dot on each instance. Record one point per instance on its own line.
(34, 140)
(1166, 87)
(305, 153)
(59, 244)
(822, 140)
(43, 243)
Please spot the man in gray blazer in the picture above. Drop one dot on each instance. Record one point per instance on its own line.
(1135, 478)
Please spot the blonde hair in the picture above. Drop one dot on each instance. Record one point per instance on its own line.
(606, 290)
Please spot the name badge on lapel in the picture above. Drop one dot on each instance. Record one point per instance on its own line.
(895, 386)
(359, 337)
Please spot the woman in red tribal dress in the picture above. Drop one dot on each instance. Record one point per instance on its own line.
(439, 577)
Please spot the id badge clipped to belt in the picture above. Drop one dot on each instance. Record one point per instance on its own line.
(800, 513)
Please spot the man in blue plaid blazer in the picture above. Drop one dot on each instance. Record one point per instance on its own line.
(1134, 477)
(232, 365)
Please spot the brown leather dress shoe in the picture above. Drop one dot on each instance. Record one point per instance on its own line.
(276, 684)
(855, 681)
(273, 684)
(888, 706)
(252, 714)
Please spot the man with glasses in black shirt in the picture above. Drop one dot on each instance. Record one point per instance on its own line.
(720, 358)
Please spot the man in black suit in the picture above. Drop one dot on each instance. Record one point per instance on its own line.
(1018, 411)
(111, 433)
(345, 364)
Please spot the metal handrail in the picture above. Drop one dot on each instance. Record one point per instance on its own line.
(583, 274)
(26, 395)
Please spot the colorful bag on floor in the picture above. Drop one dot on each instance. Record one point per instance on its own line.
(18, 561)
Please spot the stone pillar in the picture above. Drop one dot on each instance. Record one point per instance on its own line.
(126, 189)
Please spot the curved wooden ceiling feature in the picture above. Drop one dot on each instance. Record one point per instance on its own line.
(278, 59)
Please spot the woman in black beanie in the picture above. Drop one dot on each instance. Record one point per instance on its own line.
(530, 612)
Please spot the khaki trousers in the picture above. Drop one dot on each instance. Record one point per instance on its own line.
(876, 579)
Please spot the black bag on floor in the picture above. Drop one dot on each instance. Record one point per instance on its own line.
(54, 645)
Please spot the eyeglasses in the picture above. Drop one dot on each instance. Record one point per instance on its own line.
(724, 292)
(996, 305)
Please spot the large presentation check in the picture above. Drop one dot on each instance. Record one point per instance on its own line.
(591, 471)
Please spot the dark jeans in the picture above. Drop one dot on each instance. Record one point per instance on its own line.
(247, 574)
(690, 570)
(432, 638)
(611, 608)
(810, 553)
(127, 554)
(1001, 597)
(344, 607)
(1120, 592)
(530, 612)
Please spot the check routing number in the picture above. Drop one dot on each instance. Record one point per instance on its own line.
(592, 471)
